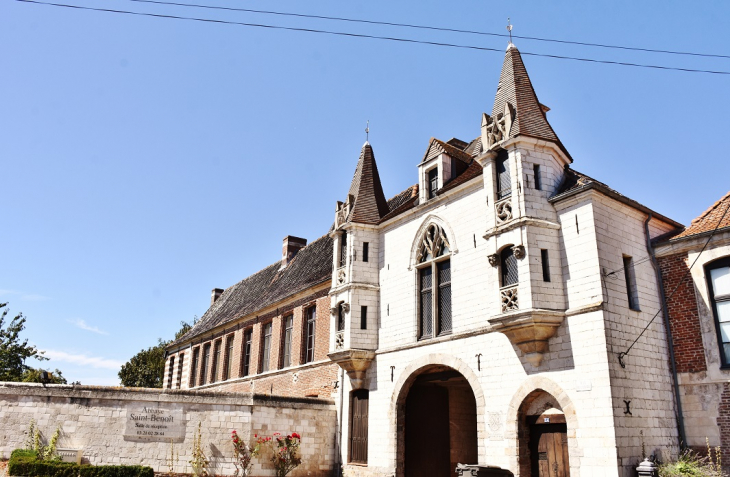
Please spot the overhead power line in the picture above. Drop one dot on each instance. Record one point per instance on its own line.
(434, 28)
(361, 35)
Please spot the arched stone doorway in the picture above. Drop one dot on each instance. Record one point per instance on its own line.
(542, 437)
(437, 423)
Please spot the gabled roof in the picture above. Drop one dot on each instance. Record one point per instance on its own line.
(575, 182)
(516, 88)
(436, 147)
(369, 201)
(311, 266)
(708, 220)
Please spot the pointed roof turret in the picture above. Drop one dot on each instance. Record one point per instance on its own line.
(516, 109)
(366, 191)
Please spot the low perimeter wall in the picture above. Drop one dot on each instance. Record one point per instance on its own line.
(115, 425)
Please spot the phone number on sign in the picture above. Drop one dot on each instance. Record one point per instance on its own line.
(150, 433)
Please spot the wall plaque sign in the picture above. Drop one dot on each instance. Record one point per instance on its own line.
(154, 422)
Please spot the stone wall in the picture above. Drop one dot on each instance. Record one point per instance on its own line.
(94, 419)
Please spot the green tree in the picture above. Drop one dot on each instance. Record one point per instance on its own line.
(13, 351)
(146, 369)
(33, 375)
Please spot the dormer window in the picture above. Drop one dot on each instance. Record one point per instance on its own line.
(433, 182)
(504, 182)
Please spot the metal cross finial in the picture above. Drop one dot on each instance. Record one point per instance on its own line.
(367, 131)
(509, 29)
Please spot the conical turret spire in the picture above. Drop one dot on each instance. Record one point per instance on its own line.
(516, 109)
(366, 191)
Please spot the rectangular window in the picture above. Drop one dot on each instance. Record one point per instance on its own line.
(204, 365)
(433, 182)
(178, 381)
(246, 352)
(444, 296)
(504, 181)
(310, 322)
(286, 341)
(545, 265)
(365, 251)
(216, 361)
(343, 249)
(631, 290)
(170, 371)
(363, 317)
(359, 427)
(194, 368)
(228, 369)
(266, 347)
(425, 276)
(538, 179)
(719, 278)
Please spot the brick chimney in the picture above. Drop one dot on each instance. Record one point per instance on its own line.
(291, 246)
(215, 294)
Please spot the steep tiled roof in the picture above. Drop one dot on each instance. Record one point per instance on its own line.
(310, 267)
(402, 202)
(370, 204)
(575, 182)
(436, 147)
(474, 170)
(709, 219)
(516, 88)
(474, 147)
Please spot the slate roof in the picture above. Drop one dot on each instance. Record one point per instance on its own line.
(575, 182)
(370, 204)
(516, 88)
(436, 147)
(311, 266)
(709, 219)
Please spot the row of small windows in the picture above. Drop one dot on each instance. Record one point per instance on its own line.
(342, 258)
(201, 359)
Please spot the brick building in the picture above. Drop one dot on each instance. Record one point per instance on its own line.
(476, 317)
(698, 304)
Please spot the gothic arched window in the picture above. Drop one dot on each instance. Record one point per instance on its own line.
(434, 283)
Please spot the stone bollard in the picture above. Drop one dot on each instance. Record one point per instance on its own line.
(482, 471)
(647, 469)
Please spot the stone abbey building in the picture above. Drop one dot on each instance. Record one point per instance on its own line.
(476, 317)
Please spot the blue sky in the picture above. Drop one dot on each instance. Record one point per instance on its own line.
(146, 161)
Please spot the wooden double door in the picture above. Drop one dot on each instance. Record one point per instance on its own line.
(549, 450)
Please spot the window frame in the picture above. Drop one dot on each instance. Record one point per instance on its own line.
(365, 251)
(306, 358)
(343, 250)
(170, 372)
(723, 262)
(537, 177)
(363, 317)
(287, 333)
(504, 254)
(216, 360)
(180, 362)
(246, 346)
(433, 265)
(545, 262)
(632, 287)
(205, 361)
(194, 365)
(267, 330)
(432, 176)
(228, 359)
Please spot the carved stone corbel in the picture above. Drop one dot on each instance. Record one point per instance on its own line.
(493, 259)
(519, 251)
(355, 362)
(345, 307)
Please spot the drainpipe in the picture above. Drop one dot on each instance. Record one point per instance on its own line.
(338, 460)
(670, 340)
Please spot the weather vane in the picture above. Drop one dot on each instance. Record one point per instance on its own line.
(367, 131)
(509, 29)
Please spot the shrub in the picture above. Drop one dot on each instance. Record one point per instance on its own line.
(26, 463)
(690, 464)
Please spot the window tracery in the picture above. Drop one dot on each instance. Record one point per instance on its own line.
(433, 244)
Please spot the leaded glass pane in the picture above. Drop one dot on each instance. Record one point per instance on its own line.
(426, 279)
(720, 281)
(723, 311)
(444, 297)
(509, 267)
(725, 332)
(504, 183)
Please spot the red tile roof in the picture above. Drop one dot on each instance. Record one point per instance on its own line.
(709, 219)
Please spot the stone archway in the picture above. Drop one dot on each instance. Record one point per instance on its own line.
(540, 396)
(431, 380)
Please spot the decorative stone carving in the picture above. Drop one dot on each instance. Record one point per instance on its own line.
(496, 129)
(434, 243)
(529, 330)
(519, 251)
(355, 362)
(509, 299)
(493, 259)
(339, 340)
(341, 276)
(345, 308)
(342, 211)
(503, 210)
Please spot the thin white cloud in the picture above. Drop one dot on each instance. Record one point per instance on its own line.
(83, 360)
(84, 326)
(8, 292)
